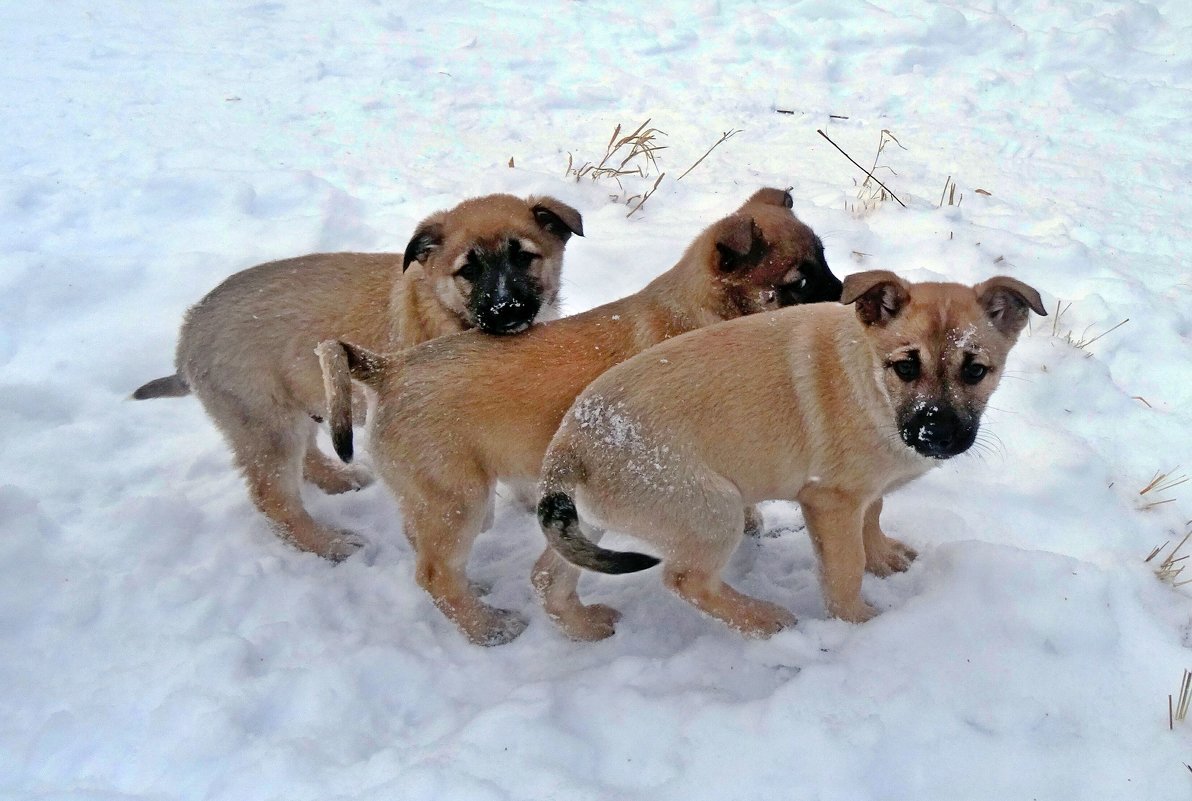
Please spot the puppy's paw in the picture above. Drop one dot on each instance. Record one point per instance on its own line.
(497, 627)
(765, 619)
(342, 544)
(892, 557)
(344, 479)
(589, 623)
(855, 612)
(479, 588)
(359, 476)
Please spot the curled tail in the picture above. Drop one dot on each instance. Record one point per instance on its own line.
(560, 523)
(169, 386)
(341, 362)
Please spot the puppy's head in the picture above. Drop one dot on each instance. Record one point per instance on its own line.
(763, 257)
(941, 349)
(494, 261)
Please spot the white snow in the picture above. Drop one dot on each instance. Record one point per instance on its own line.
(157, 641)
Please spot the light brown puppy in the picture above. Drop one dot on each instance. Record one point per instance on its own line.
(247, 348)
(458, 414)
(825, 405)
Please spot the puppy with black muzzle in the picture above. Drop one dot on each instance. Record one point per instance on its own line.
(458, 414)
(247, 348)
(825, 405)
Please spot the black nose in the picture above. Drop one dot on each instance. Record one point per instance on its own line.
(938, 432)
(506, 314)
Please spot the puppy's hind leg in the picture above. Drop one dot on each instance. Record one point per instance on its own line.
(271, 453)
(443, 523)
(696, 579)
(703, 540)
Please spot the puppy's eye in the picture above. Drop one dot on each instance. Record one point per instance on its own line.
(470, 270)
(522, 259)
(907, 369)
(798, 285)
(972, 373)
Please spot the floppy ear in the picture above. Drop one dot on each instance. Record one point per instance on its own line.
(879, 295)
(557, 218)
(1007, 301)
(771, 197)
(427, 238)
(739, 243)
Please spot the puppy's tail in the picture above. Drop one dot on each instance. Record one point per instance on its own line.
(560, 523)
(341, 362)
(169, 386)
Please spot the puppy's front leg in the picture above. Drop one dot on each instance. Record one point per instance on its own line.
(883, 555)
(834, 521)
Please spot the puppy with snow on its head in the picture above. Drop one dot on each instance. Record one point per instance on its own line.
(458, 414)
(825, 405)
(247, 349)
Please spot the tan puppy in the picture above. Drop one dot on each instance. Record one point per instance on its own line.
(458, 414)
(823, 405)
(247, 349)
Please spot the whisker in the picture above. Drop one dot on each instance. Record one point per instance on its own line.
(1002, 410)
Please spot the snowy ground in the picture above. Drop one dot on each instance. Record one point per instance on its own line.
(157, 641)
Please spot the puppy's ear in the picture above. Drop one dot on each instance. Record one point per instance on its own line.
(557, 218)
(1007, 301)
(427, 239)
(879, 295)
(771, 197)
(739, 243)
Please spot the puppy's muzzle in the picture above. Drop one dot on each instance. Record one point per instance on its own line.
(507, 314)
(938, 432)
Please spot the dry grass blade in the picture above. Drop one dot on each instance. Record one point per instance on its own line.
(1155, 552)
(631, 162)
(1055, 321)
(1084, 342)
(868, 173)
(1170, 568)
(1185, 696)
(646, 196)
(944, 194)
(1160, 483)
(724, 137)
(633, 154)
(950, 194)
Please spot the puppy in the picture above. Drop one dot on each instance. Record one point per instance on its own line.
(458, 414)
(247, 349)
(825, 405)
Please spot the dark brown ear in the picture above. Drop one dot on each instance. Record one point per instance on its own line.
(771, 197)
(1008, 302)
(739, 243)
(557, 218)
(425, 241)
(879, 295)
